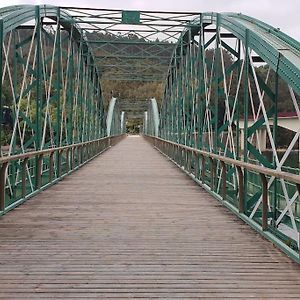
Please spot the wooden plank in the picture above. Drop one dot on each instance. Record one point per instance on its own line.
(131, 224)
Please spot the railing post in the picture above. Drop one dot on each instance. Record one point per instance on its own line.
(212, 174)
(264, 202)
(102, 145)
(203, 168)
(173, 151)
(78, 155)
(98, 147)
(180, 155)
(87, 151)
(73, 149)
(2, 185)
(82, 149)
(59, 163)
(241, 189)
(188, 161)
(92, 152)
(51, 166)
(224, 171)
(39, 167)
(67, 160)
(24, 166)
(196, 164)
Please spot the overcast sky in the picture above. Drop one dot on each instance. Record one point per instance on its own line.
(283, 14)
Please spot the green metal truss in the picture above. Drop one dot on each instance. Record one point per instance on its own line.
(222, 97)
(131, 45)
(50, 98)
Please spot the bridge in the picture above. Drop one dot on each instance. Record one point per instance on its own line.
(187, 209)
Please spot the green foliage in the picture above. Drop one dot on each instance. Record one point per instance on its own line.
(133, 126)
(132, 90)
(5, 136)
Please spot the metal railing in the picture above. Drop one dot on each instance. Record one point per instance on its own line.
(202, 167)
(38, 170)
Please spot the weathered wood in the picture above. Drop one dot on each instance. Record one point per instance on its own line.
(130, 224)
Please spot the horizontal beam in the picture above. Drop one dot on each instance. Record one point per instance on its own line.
(137, 79)
(141, 24)
(118, 42)
(192, 13)
(108, 30)
(133, 57)
(7, 159)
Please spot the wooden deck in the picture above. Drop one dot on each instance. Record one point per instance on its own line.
(130, 224)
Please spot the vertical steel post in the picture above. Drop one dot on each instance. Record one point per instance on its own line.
(202, 168)
(212, 173)
(217, 80)
(238, 145)
(264, 202)
(39, 82)
(58, 81)
(275, 138)
(246, 115)
(3, 170)
(39, 79)
(241, 204)
(223, 170)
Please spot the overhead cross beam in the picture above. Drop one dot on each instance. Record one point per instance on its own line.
(131, 39)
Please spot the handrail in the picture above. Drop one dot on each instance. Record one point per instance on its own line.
(30, 154)
(83, 152)
(182, 155)
(251, 167)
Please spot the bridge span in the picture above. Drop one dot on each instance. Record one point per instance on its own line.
(130, 224)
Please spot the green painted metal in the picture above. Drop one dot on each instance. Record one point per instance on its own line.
(224, 103)
(131, 53)
(131, 17)
(51, 97)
